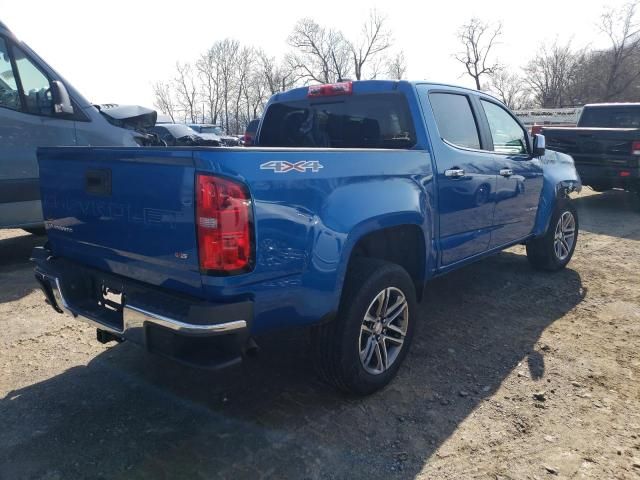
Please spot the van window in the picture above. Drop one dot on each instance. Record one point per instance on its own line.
(455, 119)
(9, 94)
(35, 84)
(379, 120)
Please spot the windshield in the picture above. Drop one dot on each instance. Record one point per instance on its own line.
(611, 117)
(378, 120)
(211, 129)
(178, 130)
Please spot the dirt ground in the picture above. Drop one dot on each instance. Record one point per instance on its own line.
(514, 374)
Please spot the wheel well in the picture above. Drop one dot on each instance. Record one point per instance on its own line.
(403, 245)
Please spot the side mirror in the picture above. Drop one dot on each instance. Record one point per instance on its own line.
(61, 101)
(539, 145)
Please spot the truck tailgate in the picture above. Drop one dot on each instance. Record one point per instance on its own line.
(595, 146)
(124, 211)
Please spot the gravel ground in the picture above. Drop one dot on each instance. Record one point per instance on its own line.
(514, 374)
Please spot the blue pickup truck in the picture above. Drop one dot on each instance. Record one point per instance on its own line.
(356, 195)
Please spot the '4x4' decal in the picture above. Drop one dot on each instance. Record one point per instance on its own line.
(281, 166)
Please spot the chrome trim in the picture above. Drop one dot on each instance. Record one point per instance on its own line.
(57, 294)
(454, 173)
(136, 317)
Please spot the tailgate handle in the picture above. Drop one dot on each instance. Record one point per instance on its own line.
(98, 182)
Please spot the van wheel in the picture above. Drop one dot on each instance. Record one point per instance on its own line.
(361, 350)
(553, 251)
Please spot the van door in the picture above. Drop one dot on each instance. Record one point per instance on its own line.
(466, 177)
(26, 122)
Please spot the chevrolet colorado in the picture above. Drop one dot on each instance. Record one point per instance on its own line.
(356, 195)
(605, 145)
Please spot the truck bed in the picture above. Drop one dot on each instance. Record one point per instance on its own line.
(603, 156)
(130, 212)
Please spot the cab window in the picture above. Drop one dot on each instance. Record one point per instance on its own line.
(9, 94)
(508, 136)
(380, 120)
(455, 119)
(35, 85)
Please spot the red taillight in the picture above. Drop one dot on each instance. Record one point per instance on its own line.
(625, 173)
(223, 215)
(330, 89)
(635, 148)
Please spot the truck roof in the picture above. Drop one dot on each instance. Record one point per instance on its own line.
(613, 104)
(372, 86)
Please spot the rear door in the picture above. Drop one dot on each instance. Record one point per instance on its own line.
(466, 176)
(519, 180)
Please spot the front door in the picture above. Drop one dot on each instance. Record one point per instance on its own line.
(27, 122)
(520, 177)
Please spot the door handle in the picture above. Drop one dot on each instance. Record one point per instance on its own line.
(454, 173)
(506, 172)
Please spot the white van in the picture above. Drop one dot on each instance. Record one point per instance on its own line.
(38, 108)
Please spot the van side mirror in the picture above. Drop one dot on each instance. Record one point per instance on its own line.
(61, 101)
(539, 145)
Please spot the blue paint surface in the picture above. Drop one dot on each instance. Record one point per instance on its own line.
(306, 224)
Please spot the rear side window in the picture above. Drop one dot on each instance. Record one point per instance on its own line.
(507, 135)
(378, 120)
(611, 117)
(9, 94)
(455, 119)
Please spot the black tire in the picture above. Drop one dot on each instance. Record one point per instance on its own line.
(541, 251)
(39, 231)
(336, 344)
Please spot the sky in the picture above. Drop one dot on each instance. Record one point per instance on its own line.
(113, 51)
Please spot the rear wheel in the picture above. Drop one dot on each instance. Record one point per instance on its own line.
(553, 251)
(362, 349)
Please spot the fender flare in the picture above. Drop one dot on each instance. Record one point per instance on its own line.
(377, 224)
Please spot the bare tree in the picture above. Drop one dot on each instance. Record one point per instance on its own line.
(208, 67)
(375, 39)
(478, 39)
(163, 99)
(623, 31)
(244, 76)
(551, 74)
(226, 51)
(510, 88)
(186, 92)
(278, 76)
(397, 66)
(322, 55)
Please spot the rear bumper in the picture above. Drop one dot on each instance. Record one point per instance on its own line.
(186, 329)
(609, 176)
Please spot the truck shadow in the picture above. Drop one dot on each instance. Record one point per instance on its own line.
(15, 269)
(129, 415)
(609, 213)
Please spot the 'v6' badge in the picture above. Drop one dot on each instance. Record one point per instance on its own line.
(280, 166)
